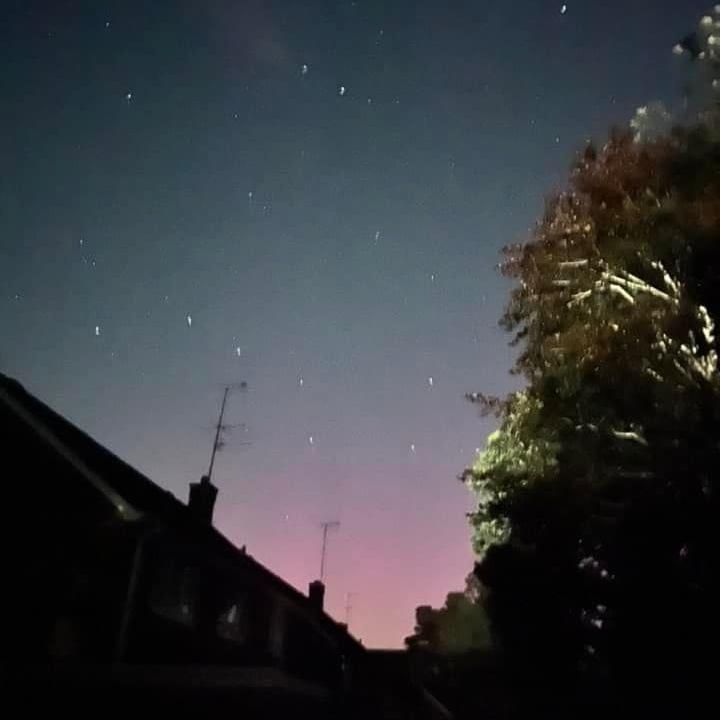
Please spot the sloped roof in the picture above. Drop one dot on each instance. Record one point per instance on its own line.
(135, 495)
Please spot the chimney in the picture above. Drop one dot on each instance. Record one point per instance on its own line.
(202, 500)
(316, 594)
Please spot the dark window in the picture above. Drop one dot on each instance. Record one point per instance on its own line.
(173, 594)
(233, 622)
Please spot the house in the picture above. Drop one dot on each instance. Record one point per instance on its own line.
(119, 590)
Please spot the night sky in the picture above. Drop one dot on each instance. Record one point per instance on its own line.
(310, 197)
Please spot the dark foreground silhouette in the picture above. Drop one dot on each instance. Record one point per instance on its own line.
(124, 599)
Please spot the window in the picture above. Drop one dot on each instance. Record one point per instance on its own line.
(233, 622)
(174, 592)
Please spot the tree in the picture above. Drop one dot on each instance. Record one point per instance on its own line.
(597, 518)
(459, 626)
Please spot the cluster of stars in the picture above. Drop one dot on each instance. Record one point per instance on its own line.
(342, 91)
(304, 70)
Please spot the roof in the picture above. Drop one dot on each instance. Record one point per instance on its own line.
(135, 495)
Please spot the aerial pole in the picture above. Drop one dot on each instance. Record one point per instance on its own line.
(218, 428)
(348, 607)
(218, 441)
(332, 524)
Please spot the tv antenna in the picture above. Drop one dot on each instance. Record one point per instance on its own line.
(219, 442)
(348, 607)
(329, 525)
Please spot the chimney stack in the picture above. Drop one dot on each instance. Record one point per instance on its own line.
(316, 594)
(202, 500)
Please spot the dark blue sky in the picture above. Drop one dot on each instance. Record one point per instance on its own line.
(323, 188)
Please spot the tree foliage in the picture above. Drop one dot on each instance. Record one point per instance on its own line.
(597, 496)
(459, 626)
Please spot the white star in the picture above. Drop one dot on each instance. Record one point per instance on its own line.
(430, 381)
(189, 320)
(563, 9)
(311, 440)
(304, 70)
(107, 24)
(129, 96)
(97, 330)
(238, 351)
(342, 90)
(377, 235)
(412, 447)
(301, 381)
(432, 277)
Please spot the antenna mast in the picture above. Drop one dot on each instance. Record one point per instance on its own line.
(332, 524)
(218, 441)
(348, 607)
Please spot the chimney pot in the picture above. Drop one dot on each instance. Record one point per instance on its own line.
(202, 500)
(316, 594)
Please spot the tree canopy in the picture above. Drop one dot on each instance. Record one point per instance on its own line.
(597, 498)
(461, 625)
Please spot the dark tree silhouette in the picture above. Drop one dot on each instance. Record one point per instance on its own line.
(459, 626)
(598, 518)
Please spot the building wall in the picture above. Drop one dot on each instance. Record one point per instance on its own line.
(72, 579)
(195, 608)
(67, 561)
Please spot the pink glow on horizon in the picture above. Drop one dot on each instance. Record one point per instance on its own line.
(390, 561)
